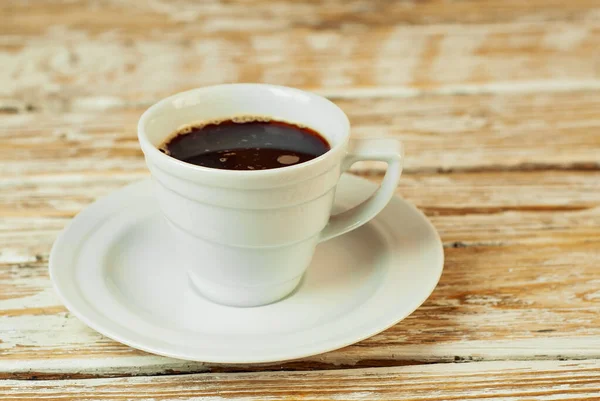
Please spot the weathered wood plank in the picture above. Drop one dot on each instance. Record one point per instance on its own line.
(549, 380)
(485, 208)
(243, 16)
(505, 131)
(59, 57)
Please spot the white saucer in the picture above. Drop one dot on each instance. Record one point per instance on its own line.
(111, 267)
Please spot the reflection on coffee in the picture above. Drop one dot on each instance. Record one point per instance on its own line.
(245, 143)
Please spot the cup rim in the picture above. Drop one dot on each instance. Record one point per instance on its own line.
(150, 150)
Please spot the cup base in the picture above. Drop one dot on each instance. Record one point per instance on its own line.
(242, 296)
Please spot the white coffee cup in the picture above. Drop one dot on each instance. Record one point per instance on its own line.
(247, 237)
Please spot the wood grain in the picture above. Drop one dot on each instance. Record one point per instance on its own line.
(486, 208)
(244, 16)
(497, 103)
(116, 54)
(441, 133)
(550, 380)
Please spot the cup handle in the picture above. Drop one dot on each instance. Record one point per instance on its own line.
(390, 151)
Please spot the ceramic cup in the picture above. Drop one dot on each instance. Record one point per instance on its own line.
(247, 237)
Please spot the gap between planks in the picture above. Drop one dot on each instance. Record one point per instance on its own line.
(154, 365)
(544, 380)
(10, 105)
(360, 170)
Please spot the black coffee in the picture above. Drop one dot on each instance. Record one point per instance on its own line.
(246, 145)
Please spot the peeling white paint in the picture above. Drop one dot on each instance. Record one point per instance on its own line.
(565, 38)
(594, 296)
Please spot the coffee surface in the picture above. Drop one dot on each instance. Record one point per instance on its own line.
(246, 145)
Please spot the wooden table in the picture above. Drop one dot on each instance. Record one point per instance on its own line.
(498, 103)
